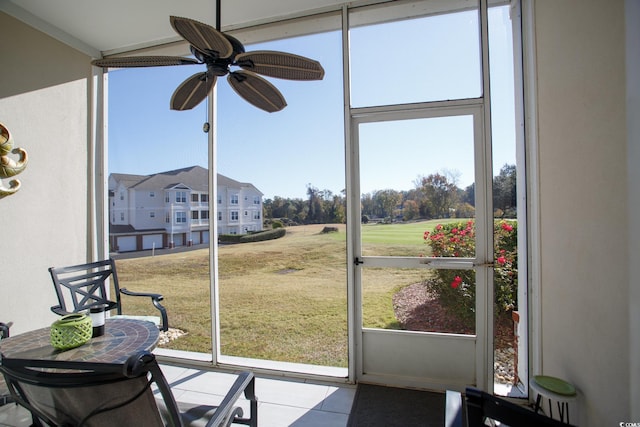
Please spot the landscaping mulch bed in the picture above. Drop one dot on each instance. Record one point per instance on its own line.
(417, 309)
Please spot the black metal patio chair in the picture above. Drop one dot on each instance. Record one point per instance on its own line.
(75, 393)
(80, 287)
(479, 407)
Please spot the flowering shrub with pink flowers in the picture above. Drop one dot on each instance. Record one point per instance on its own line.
(456, 288)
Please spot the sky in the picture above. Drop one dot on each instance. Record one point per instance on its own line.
(303, 145)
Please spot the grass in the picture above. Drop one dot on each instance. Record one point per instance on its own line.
(283, 299)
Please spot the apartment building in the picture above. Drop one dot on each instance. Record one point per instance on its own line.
(171, 208)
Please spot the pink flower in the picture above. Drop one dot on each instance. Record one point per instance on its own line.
(456, 282)
(507, 227)
(425, 236)
(502, 260)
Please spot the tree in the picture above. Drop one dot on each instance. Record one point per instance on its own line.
(315, 205)
(440, 195)
(504, 191)
(386, 201)
(410, 210)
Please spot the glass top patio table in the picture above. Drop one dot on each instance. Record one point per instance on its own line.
(122, 337)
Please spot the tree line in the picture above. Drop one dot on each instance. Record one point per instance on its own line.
(434, 196)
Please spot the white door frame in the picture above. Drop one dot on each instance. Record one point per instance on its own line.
(432, 360)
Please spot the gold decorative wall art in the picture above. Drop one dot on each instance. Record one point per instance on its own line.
(8, 166)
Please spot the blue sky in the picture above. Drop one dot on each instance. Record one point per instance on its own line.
(281, 153)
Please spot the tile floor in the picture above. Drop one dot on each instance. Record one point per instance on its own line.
(282, 402)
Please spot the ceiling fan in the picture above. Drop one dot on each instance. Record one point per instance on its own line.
(219, 52)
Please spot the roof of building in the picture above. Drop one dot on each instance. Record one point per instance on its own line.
(195, 178)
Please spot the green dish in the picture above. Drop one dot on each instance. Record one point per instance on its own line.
(555, 385)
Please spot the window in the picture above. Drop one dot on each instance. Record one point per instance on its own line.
(194, 214)
(204, 214)
(256, 200)
(152, 214)
(234, 215)
(152, 194)
(256, 214)
(121, 216)
(246, 213)
(194, 197)
(121, 195)
(234, 199)
(166, 198)
(219, 199)
(219, 216)
(181, 197)
(181, 217)
(204, 198)
(167, 218)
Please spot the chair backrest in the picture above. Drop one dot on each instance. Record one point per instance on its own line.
(91, 394)
(482, 406)
(81, 286)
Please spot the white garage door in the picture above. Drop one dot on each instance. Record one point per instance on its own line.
(126, 243)
(178, 240)
(195, 237)
(152, 241)
(205, 237)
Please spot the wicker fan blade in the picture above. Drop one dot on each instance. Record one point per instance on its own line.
(203, 37)
(281, 65)
(257, 91)
(143, 61)
(192, 91)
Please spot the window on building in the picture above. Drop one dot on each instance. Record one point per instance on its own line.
(234, 199)
(234, 215)
(219, 216)
(152, 214)
(204, 214)
(167, 218)
(194, 197)
(204, 198)
(121, 216)
(246, 213)
(181, 217)
(166, 198)
(121, 195)
(256, 200)
(256, 215)
(152, 194)
(219, 199)
(181, 197)
(194, 214)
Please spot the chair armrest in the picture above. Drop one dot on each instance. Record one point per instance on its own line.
(155, 299)
(453, 409)
(59, 311)
(142, 294)
(244, 384)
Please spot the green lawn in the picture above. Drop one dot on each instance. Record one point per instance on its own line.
(283, 299)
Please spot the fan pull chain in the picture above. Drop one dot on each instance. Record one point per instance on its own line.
(206, 126)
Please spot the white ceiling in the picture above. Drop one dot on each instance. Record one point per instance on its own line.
(99, 27)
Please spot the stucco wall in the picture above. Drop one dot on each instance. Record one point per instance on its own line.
(583, 202)
(43, 101)
(632, 15)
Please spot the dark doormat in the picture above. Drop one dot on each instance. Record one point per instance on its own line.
(389, 406)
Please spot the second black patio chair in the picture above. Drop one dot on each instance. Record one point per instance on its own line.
(80, 287)
(74, 393)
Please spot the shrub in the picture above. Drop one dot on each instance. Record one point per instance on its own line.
(252, 237)
(276, 224)
(456, 288)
